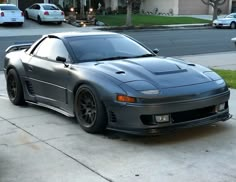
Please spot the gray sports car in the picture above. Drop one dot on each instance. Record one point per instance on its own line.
(111, 81)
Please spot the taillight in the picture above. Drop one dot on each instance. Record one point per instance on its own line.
(62, 13)
(22, 13)
(46, 13)
(2, 13)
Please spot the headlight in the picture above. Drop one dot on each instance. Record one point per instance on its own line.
(151, 92)
(212, 75)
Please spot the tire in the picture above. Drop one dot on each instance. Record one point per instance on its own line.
(89, 110)
(20, 24)
(59, 22)
(26, 15)
(39, 20)
(233, 25)
(14, 88)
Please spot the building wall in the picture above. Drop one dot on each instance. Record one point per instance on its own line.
(197, 7)
(163, 6)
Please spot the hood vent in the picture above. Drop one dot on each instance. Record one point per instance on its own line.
(120, 72)
(30, 88)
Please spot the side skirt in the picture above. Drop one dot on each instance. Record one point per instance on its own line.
(53, 108)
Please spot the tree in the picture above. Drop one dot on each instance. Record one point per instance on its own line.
(215, 4)
(129, 11)
(82, 9)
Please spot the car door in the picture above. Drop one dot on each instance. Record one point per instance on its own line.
(47, 76)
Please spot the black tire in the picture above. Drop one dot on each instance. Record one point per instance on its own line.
(26, 15)
(14, 88)
(89, 110)
(233, 25)
(39, 20)
(20, 24)
(59, 22)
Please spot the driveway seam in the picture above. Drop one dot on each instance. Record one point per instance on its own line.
(65, 154)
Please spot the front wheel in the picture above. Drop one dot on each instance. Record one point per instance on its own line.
(89, 110)
(233, 25)
(14, 88)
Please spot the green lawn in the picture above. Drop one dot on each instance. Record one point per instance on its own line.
(148, 20)
(229, 76)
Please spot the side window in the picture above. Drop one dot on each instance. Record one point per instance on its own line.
(44, 50)
(33, 7)
(37, 7)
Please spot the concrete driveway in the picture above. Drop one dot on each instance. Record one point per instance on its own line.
(31, 27)
(40, 145)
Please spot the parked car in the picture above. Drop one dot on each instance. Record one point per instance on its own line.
(43, 12)
(228, 21)
(9, 13)
(111, 81)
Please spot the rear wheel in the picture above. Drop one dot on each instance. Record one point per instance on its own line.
(233, 25)
(26, 15)
(20, 24)
(89, 110)
(39, 20)
(14, 88)
(59, 22)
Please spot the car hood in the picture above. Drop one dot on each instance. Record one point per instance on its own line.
(224, 19)
(160, 72)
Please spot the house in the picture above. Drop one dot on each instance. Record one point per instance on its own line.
(184, 7)
(176, 7)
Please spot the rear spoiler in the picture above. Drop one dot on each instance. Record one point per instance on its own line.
(18, 47)
(234, 40)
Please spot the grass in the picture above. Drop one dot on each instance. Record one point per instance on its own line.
(148, 20)
(229, 76)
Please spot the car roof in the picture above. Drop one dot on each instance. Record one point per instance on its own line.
(79, 34)
(7, 5)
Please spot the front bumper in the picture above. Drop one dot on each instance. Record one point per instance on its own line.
(129, 119)
(221, 25)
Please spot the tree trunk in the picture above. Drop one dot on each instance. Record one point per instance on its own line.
(81, 9)
(215, 13)
(129, 14)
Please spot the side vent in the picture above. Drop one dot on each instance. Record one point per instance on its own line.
(112, 117)
(30, 87)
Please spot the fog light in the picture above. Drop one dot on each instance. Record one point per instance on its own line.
(221, 107)
(162, 118)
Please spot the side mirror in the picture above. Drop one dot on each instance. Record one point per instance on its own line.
(156, 51)
(60, 59)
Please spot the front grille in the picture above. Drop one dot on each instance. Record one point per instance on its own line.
(193, 114)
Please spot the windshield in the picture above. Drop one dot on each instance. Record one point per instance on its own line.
(106, 47)
(8, 8)
(49, 7)
(231, 16)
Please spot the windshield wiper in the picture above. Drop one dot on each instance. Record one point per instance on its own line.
(125, 57)
(114, 58)
(144, 55)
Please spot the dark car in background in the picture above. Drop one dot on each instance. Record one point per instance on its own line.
(111, 81)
